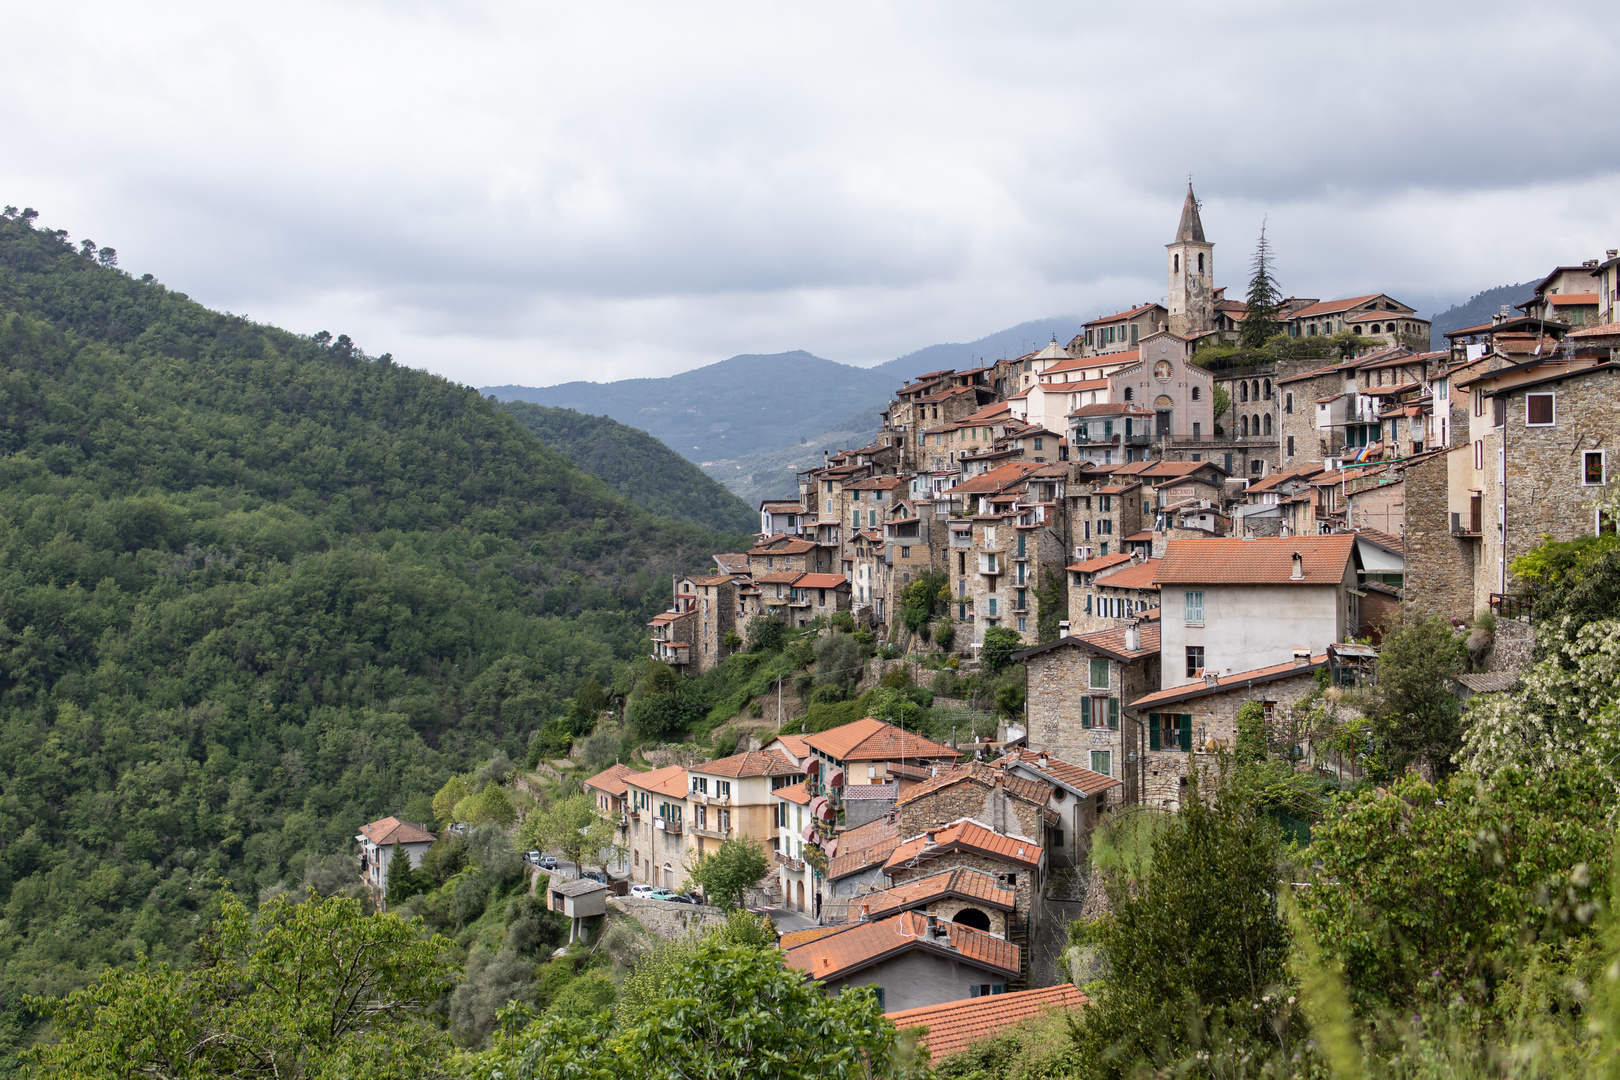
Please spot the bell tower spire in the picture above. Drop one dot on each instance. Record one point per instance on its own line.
(1192, 274)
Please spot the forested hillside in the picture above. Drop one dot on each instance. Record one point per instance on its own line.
(637, 466)
(255, 590)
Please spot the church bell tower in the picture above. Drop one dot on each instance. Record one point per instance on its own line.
(1192, 274)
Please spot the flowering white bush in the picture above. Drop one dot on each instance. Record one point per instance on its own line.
(1566, 708)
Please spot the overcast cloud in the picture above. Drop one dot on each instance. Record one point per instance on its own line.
(533, 193)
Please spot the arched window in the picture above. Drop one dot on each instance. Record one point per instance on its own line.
(1130, 392)
(1268, 423)
(1243, 424)
(1268, 389)
(1255, 393)
(1198, 392)
(1357, 329)
(1200, 262)
(1175, 264)
(1243, 391)
(974, 918)
(1254, 426)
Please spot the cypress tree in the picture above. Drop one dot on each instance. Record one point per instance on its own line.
(1260, 323)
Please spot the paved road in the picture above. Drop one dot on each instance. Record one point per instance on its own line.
(785, 920)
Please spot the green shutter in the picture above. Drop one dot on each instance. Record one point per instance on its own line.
(1186, 732)
(1113, 713)
(1153, 731)
(1085, 712)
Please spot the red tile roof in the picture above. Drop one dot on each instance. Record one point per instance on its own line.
(611, 780)
(860, 945)
(960, 881)
(819, 581)
(793, 744)
(781, 577)
(1102, 562)
(1113, 639)
(712, 579)
(996, 479)
(670, 780)
(782, 547)
(1119, 315)
(953, 1025)
(1264, 561)
(1085, 781)
(783, 507)
(1234, 681)
(873, 740)
(965, 835)
(1573, 299)
(750, 763)
(1384, 539)
(976, 772)
(1333, 307)
(793, 793)
(391, 830)
(1131, 577)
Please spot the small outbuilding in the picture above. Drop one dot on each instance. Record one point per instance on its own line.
(579, 900)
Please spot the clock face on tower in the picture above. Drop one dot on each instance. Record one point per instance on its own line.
(1164, 369)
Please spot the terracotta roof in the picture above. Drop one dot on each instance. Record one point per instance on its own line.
(1229, 682)
(670, 780)
(783, 507)
(734, 562)
(1384, 539)
(1113, 640)
(1076, 363)
(712, 579)
(1573, 299)
(1118, 489)
(1276, 479)
(1085, 781)
(1606, 330)
(1070, 387)
(611, 780)
(1106, 409)
(1102, 562)
(793, 546)
(1333, 307)
(962, 881)
(793, 793)
(953, 1025)
(750, 763)
(780, 577)
(965, 835)
(1000, 477)
(1119, 315)
(853, 862)
(977, 772)
(1132, 577)
(910, 771)
(860, 945)
(873, 740)
(1264, 561)
(800, 937)
(820, 581)
(878, 483)
(667, 617)
(391, 830)
(793, 744)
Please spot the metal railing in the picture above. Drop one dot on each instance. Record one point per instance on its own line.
(1513, 606)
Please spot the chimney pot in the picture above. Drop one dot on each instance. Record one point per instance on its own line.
(1299, 568)
(1302, 657)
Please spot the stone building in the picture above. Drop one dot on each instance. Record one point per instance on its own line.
(1119, 332)
(1180, 393)
(961, 895)
(1102, 515)
(1006, 803)
(717, 609)
(1076, 689)
(1109, 597)
(1182, 728)
(1192, 275)
(1079, 798)
(1440, 554)
(656, 823)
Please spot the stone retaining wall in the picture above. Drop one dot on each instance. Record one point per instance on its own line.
(666, 920)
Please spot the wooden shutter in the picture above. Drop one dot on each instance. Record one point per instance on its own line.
(1085, 712)
(1113, 713)
(1186, 732)
(1153, 731)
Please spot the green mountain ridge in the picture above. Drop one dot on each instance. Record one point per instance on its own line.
(255, 590)
(637, 466)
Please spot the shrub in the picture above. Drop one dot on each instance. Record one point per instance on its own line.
(766, 635)
(840, 661)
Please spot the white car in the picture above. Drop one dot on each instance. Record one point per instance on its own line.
(643, 891)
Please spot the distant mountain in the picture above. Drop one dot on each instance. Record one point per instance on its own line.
(773, 474)
(1480, 307)
(1011, 342)
(637, 466)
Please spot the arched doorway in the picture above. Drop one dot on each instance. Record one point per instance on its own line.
(669, 876)
(798, 890)
(972, 917)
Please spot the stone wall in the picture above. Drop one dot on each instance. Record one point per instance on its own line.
(1439, 566)
(1511, 648)
(1382, 508)
(970, 799)
(666, 920)
(1027, 890)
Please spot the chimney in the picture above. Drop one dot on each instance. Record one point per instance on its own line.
(933, 926)
(1298, 573)
(928, 837)
(1211, 676)
(1302, 658)
(1063, 628)
(1133, 638)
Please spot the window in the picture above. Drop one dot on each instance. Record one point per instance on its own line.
(1021, 626)
(1021, 605)
(722, 789)
(1479, 453)
(1290, 446)
(1538, 410)
(1169, 731)
(700, 784)
(1197, 392)
(1499, 412)
(1102, 762)
(1038, 444)
(1479, 403)
(1288, 403)
(1592, 468)
(1099, 673)
(980, 990)
(1194, 602)
(992, 607)
(1195, 660)
(905, 553)
(1266, 420)
(1130, 393)
(1197, 429)
(1200, 262)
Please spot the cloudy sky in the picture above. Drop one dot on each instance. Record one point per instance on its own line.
(538, 192)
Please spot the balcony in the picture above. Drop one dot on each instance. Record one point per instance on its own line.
(796, 865)
(715, 833)
(667, 825)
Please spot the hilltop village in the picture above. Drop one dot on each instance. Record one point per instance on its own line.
(1167, 530)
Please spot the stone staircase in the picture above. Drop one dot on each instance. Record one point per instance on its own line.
(1018, 934)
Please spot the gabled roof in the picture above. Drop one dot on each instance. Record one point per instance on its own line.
(954, 1025)
(750, 763)
(1277, 479)
(1333, 307)
(1120, 316)
(977, 772)
(391, 830)
(820, 581)
(965, 834)
(1236, 680)
(780, 507)
(1139, 576)
(879, 483)
(782, 545)
(732, 562)
(1585, 299)
(671, 780)
(611, 780)
(1071, 776)
(793, 744)
(1264, 561)
(860, 945)
(1102, 562)
(577, 887)
(798, 794)
(712, 579)
(1385, 540)
(1002, 476)
(780, 577)
(869, 739)
(960, 881)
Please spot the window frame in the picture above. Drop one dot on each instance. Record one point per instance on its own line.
(1552, 409)
(1091, 674)
(1603, 468)
(1188, 606)
(1195, 663)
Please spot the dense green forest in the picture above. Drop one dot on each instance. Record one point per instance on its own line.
(258, 589)
(637, 466)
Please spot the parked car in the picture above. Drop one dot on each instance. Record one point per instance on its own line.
(532, 858)
(682, 898)
(661, 894)
(643, 891)
(548, 862)
(596, 875)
